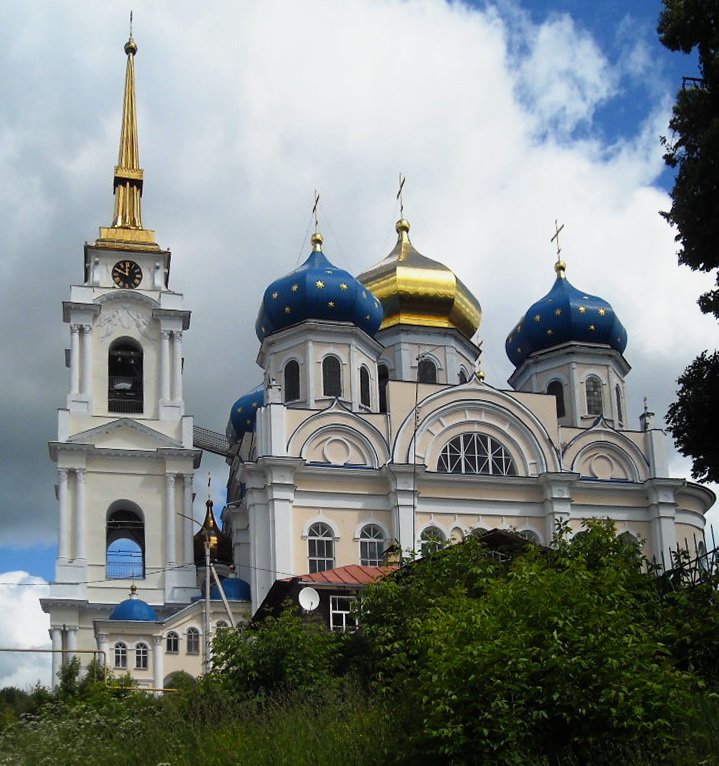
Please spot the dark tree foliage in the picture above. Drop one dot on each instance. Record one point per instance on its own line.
(688, 25)
(693, 149)
(692, 417)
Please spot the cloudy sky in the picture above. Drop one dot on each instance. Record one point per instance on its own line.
(503, 116)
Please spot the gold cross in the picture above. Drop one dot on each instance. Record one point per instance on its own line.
(399, 195)
(314, 209)
(557, 229)
(131, 25)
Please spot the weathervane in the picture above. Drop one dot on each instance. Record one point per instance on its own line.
(557, 229)
(399, 195)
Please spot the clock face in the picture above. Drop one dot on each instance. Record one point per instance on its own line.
(126, 274)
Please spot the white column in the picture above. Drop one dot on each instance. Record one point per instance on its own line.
(170, 514)
(187, 512)
(165, 365)
(103, 645)
(56, 638)
(177, 365)
(158, 674)
(74, 359)
(86, 357)
(63, 548)
(71, 641)
(80, 474)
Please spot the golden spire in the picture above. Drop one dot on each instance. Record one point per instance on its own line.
(126, 230)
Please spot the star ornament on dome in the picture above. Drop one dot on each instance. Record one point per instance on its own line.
(319, 284)
(275, 295)
(295, 288)
(557, 312)
(343, 286)
(288, 310)
(331, 304)
(582, 309)
(537, 317)
(602, 312)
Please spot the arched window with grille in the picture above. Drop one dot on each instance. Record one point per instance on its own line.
(593, 391)
(331, 376)
(320, 547)
(476, 454)
(142, 657)
(426, 371)
(125, 377)
(372, 545)
(432, 539)
(292, 381)
(193, 641)
(125, 543)
(383, 379)
(172, 642)
(556, 389)
(364, 386)
(120, 655)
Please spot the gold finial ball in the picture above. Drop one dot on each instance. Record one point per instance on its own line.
(560, 267)
(130, 47)
(481, 375)
(133, 589)
(402, 225)
(317, 239)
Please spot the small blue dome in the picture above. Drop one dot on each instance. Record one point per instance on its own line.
(235, 590)
(317, 290)
(565, 315)
(134, 608)
(244, 413)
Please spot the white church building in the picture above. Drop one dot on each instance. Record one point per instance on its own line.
(374, 425)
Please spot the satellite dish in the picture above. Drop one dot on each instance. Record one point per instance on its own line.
(309, 599)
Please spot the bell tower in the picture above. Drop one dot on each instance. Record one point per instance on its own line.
(124, 450)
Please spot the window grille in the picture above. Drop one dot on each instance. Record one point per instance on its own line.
(476, 454)
(320, 548)
(372, 545)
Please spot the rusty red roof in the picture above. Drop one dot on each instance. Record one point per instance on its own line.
(354, 574)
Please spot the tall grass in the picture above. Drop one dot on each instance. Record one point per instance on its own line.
(342, 727)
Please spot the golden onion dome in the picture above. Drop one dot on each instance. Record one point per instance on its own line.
(416, 290)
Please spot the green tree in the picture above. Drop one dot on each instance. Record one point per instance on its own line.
(693, 149)
(692, 418)
(277, 655)
(558, 652)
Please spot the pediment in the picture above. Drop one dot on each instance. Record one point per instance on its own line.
(125, 433)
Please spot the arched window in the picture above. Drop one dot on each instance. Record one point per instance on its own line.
(172, 642)
(620, 409)
(125, 545)
(124, 376)
(221, 624)
(292, 381)
(364, 386)
(120, 652)
(193, 641)
(426, 371)
(331, 376)
(141, 657)
(456, 535)
(372, 545)
(320, 547)
(478, 532)
(530, 535)
(476, 453)
(557, 390)
(462, 376)
(432, 539)
(593, 391)
(383, 379)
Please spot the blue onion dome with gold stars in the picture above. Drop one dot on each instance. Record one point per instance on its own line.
(565, 315)
(134, 608)
(244, 413)
(317, 290)
(416, 290)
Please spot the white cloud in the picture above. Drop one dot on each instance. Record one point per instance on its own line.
(24, 626)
